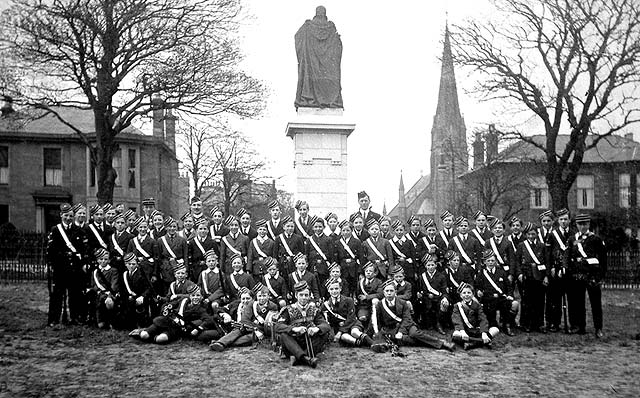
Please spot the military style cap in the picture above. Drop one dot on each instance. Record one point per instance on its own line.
(300, 286)
(77, 207)
(428, 257)
(101, 252)
(299, 204)
(450, 255)
(193, 289)
(316, 219)
(429, 223)
(65, 208)
(261, 223)
(258, 287)
(445, 214)
(233, 257)
(286, 219)
(168, 221)
(195, 199)
(546, 213)
(273, 204)
(514, 220)
(242, 212)
(106, 207)
(149, 202)
(461, 220)
(331, 281)
(372, 222)
(214, 210)
(396, 269)
(119, 216)
(494, 222)
(583, 218)
(202, 221)
(129, 257)
(528, 227)
(355, 216)
(487, 254)
(179, 267)
(362, 194)
(298, 256)
(333, 266)
(344, 223)
(388, 282)
(270, 262)
(464, 285)
(244, 290)
(139, 221)
(210, 253)
(331, 215)
(562, 212)
(185, 216)
(477, 214)
(231, 218)
(156, 213)
(412, 218)
(369, 264)
(396, 224)
(129, 213)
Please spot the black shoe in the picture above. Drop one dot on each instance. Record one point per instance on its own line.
(440, 330)
(542, 330)
(217, 347)
(508, 331)
(310, 362)
(449, 346)
(554, 329)
(573, 330)
(526, 329)
(599, 333)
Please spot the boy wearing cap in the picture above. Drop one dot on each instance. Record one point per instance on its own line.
(385, 228)
(495, 292)
(210, 282)
(188, 230)
(136, 293)
(195, 210)
(502, 248)
(533, 274)
(302, 274)
(403, 251)
(217, 229)
(377, 250)
(340, 312)
(148, 207)
(302, 325)
(430, 241)
(275, 283)
(233, 244)
(481, 232)
(432, 294)
(446, 234)
(404, 289)
(245, 224)
(173, 250)
(331, 230)
(179, 288)
(364, 210)
(304, 227)
(415, 236)
(320, 252)
(157, 229)
(97, 232)
(559, 244)
(586, 261)
(146, 251)
(470, 327)
(467, 246)
(336, 274)
(119, 241)
(198, 247)
(458, 275)
(392, 319)
(275, 225)
(65, 248)
(104, 293)
(260, 248)
(288, 246)
(251, 324)
(359, 231)
(350, 256)
(368, 292)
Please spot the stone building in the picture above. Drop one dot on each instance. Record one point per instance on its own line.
(43, 163)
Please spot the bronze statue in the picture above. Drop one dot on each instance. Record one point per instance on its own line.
(319, 52)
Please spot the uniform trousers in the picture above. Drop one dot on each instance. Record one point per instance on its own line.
(577, 312)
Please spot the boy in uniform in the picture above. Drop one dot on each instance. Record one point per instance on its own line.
(275, 283)
(197, 247)
(303, 227)
(188, 230)
(275, 225)
(359, 231)
(377, 250)
(302, 274)
(217, 229)
(173, 250)
(210, 282)
(320, 252)
(467, 246)
(350, 256)
(340, 312)
(146, 251)
(532, 273)
(481, 232)
(118, 242)
(180, 287)
(368, 292)
(302, 325)
(237, 279)
(470, 325)
(403, 251)
(136, 293)
(233, 244)
(288, 246)
(245, 224)
(501, 248)
(559, 244)
(447, 233)
(104, 293)
(432, 293)
(495, 292)
(260, 248)
(415, 236)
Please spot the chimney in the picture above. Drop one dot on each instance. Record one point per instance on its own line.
(7, 106)
(628, 136)
(157, 104)
(170, 129)
(478, 151)
(492, 143)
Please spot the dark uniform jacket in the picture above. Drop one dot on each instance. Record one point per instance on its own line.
(525, 263)
(234, 281)
(404, 254)
(118, 244)
(97, 236)
(105, 281)
(317, 263)
(371, 289)
(62, 257)
(255, 259)
(255, 314)
(419, 248)
(471, 247)
(295, 315)
(438, 283)
(384, 263)
(240, 243)
(308, 276)
(277, 286)
(308, 229)
(499, 278)
(464, 274)
(179, 247)
(559, 246)
(482, 236)
(350, 266)
(210, 286)
(475, 316)
(197, 262)
(249, 232)
(134, 285)
(340, 314)
(505, 251)
(285, 259)
(594, 265)
(148, 263)
(443, 238)
(388, 324)
(274, 230)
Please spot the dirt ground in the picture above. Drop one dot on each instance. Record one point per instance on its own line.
(82, 362)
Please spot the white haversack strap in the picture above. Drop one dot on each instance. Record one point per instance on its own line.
(478, 236)
(317, 248)
(531, 253)
(66, 239)
(375, 250)
(286, 245)
(463, 315)
(97, 235)
(340, 317)
(563, 247)
(233, 249)
(258, 249)
(428, 285)
(203, 275)
(116, 245)
(486, 275)
(348, 249)
(166, 246)
(139, 248)
(590, 260)
(463, 253)
(125, 277)
(396, 249)
(389, 312)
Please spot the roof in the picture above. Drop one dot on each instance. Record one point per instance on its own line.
(82, 119)
(413, 194)
(614, 148)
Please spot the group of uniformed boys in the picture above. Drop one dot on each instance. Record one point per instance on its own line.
(303, 280)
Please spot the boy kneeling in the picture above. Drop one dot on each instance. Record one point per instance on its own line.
(469, 322)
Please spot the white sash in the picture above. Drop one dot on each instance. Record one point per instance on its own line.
(66, 239)
(408, 235)
(271, 232)
(233, 249)
(315, 246)
(347, 249)
(494, 247)
(183, 304)
(304, 232)
(116, 245)
(213, 234)
(563, 247)
(353, 233)
(259, 317)
(463, 253)
(98, 284)
(486, 275)
(141, 250)
(456, 284)
(340, 317)
(477, 234)
(395, 249)
(463, 315)
(273, 292)
(197, 240)
(126, 283)
(258, 249)
(97, 235)
(172, 288)
(295, 276)
(429, 287)
(203, 275)
(286, 245)
(166, 246)
(426, 243)
(540, 235)
(389, 312)
(513, 244)
(531, 253)
(444, 238)
(375, 250)
(233, 281)
(364, 291)
(590, 260)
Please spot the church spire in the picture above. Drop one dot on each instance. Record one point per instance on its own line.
(448, 106)
(402, 203)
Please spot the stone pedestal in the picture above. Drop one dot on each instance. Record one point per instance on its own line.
(320, 142)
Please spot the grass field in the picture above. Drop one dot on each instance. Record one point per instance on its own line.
(82, 362)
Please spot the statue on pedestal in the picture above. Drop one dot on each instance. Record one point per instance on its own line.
(319, 51)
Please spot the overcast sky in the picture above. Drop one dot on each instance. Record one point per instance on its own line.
(390, 80)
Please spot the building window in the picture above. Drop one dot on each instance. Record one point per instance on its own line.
(4, 164)
(4, 214)
(52, 166)
(116, 163)
(539, 193)
(132, 168)
(624, 181)
(585, 192)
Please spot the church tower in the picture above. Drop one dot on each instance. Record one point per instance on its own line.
(449, 156)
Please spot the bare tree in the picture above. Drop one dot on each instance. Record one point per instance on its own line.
(197, 143)
(113, 56)
(573, 63)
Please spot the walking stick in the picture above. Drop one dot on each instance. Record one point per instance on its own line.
(564, 312)
(307, 340)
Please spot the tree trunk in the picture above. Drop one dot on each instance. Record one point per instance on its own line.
(558, 188)
(105, 147)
